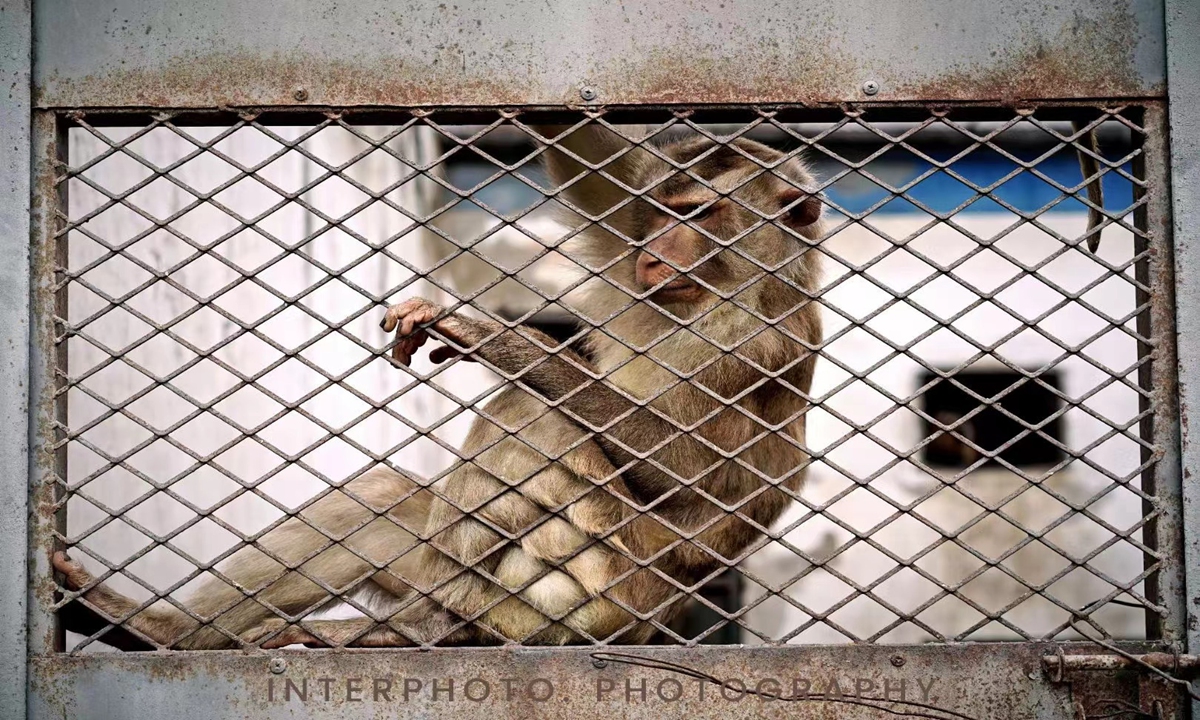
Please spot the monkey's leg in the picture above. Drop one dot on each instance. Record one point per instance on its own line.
(156, 622)
(352, 632)
(262, 586)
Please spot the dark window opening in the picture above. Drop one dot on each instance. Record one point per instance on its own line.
(990, 429)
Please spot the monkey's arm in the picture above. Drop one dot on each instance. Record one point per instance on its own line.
(621, 424)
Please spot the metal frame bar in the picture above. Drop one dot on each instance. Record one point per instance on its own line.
(15, 78)
(131, 53)
(996, 681)
(47, 455)
(1163, 482)
(1182, 20)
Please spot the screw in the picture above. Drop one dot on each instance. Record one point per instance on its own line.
(588, 93)
(870, 87)
(300, 94)
(599, 664)
(278, 665)
(897, 660)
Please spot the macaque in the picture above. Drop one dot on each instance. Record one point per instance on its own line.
(599, 493)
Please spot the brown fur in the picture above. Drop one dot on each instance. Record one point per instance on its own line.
(555, 516)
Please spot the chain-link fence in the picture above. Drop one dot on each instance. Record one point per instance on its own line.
(972, 459)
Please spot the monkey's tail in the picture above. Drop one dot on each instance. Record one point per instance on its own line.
(1091, 175)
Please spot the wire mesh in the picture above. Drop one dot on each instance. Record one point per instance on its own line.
(967, 464)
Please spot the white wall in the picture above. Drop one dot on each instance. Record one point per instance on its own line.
(950, 508)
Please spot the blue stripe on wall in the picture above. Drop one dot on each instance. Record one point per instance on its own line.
(940, 192)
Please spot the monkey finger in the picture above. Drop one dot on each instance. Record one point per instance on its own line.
(392, 316)
(406, 347)
(402, 352)
(397, 314)
(443, 353)
(423, 314)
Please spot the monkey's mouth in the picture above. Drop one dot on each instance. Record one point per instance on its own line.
(680, 289)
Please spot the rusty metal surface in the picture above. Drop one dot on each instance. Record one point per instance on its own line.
(48, 148)
(1158, 274)
(1175, 664)
(15, 58)
(982, 681)
(1183, 63)
(125, 53)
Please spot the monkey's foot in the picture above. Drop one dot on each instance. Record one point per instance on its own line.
(329, 633)
(285, 635)
(76, 577)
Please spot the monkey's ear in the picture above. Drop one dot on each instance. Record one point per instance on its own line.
(593, 193)
(803, 209)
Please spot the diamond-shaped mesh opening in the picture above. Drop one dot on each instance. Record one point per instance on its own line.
(685, 376)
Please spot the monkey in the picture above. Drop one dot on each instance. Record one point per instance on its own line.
(599, 489)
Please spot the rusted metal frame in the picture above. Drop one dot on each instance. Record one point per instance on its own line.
(17, 185)
(1162, 485)
(983, 681)
(1075, 49)
(831, 112)
(48, 371)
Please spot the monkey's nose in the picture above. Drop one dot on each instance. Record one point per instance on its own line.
(651, 271)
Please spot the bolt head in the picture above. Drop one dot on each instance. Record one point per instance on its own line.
(897, 660)
(300, 94)
(587, 93)
(599, 664)
(870, 87)
(278, 665)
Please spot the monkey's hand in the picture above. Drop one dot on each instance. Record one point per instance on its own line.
(408, 317)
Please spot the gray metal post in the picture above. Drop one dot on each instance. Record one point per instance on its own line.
(15, 73)
(1183, 82)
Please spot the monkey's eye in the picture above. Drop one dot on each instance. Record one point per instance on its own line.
(693, 211)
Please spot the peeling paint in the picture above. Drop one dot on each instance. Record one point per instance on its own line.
(533, 53)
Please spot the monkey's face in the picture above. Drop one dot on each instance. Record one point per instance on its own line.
(701, 243)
